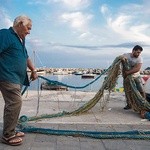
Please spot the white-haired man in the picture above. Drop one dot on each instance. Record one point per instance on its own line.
(14, 61)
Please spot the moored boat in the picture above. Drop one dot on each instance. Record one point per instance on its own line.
(51, 86)
(88, 76)
(78, 73)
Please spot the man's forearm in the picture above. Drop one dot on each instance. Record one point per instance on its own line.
(30, 65)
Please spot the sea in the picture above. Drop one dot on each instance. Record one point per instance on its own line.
(75, 81)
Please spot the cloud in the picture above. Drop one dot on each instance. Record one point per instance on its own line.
(34, 42)
(40, 2)
(104, 9)
(68, 4)
(85, 35)
(137, 9)
(128, 24)
(77, 20)
(69, 13)
(76, 4)
(122, 25)
(5, 20)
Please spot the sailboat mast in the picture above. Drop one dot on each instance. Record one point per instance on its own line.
(34, 57)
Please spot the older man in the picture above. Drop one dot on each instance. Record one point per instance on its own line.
(14, 61)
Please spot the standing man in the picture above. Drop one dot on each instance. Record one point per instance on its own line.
(135, 62)
(14, 61)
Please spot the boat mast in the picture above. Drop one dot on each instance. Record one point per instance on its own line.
(34, 57)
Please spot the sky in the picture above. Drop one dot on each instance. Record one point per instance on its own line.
(81, 33)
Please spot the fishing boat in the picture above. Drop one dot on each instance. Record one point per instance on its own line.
(60, 73)
(78, 73)
(88, 76)
(52, 86)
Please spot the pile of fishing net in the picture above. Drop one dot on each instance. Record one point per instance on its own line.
(137, 102)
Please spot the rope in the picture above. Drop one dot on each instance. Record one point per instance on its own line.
(135, 99)
(145, 135)
(62, 84)
(137, 102)
(38, 104)
(108, 84)
(70, 86)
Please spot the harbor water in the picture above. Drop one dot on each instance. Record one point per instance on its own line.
(75, 80)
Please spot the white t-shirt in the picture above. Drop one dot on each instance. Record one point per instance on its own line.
(134, 61)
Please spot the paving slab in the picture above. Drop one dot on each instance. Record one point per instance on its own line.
(112, 118)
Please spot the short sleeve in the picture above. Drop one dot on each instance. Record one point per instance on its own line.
(4, 40)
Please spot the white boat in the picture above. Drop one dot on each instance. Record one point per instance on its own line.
(88, 76)
(78, 73)
(60, 73)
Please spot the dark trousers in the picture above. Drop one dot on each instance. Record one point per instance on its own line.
(128, 91)
(12, 96)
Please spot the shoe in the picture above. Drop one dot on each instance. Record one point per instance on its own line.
(142, 113)
(13, 140)
(19, 134)
(127, 107)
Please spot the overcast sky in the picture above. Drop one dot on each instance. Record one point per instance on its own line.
(81, 33)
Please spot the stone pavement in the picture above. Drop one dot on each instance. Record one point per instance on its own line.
(112, 118)
(35, 141)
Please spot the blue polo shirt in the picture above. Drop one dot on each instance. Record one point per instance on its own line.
(13, 58)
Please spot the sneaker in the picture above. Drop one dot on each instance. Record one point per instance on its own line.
(127, 107)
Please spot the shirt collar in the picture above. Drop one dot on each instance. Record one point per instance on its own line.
(12, 30)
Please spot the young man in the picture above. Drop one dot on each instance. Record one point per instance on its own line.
(135, 62)
(14, 61)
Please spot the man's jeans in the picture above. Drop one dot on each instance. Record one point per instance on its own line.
(12, 96)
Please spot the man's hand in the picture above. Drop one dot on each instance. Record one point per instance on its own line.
(125, 73)
(123, 58)
(33, 75)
